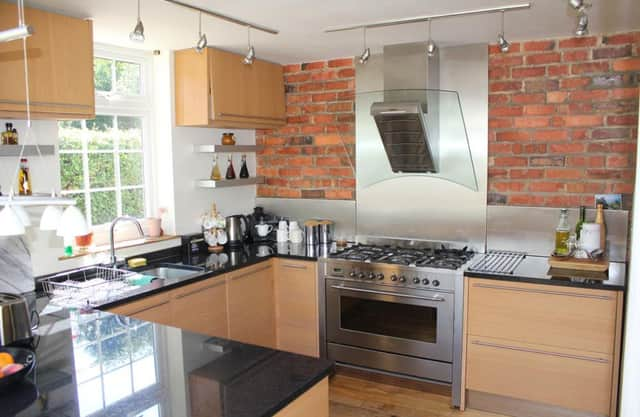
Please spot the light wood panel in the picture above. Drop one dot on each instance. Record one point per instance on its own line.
(202, 307)
(314, 402)
(155, 308)
(192, 88)
(573, 318)
(250, 304)
(296, 300)
(60, 57)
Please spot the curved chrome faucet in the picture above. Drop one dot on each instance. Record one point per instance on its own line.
(114, 260)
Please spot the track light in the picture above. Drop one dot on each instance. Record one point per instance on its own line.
(366, 52)
(577, 4)
(432, 48)
(582, 28)
(138, 31)
(251, 52)
(503, 43)
(202, 38)
(21, 31)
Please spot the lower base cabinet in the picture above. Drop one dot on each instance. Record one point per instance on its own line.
(202, 307)
(156, 309)
(314, 402)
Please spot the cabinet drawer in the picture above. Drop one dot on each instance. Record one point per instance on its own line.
(565, 378)
(572, 318)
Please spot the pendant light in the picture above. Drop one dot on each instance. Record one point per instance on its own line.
(251, 52)
(432, 48)
(22, 215)
(50, 218)
(137, 35)
(22, 31)
(202, 38)
(503, 43)
(10, 224)
(72, 223)
(366, 52)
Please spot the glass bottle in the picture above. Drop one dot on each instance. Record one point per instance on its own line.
(215, 171)
(244, 171)
(6, 135)
(581, 220)
(603, 226)
(231, 173)
(14, 136)
(562, 234)
(24, 178)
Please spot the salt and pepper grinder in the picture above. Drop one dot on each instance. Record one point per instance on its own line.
(244, 171)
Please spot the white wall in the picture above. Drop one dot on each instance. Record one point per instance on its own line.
(630, 404)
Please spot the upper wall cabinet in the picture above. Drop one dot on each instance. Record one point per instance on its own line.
(60, 58)
(216, 89)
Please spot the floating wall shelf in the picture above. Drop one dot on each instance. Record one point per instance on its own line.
(229, 183)
(29, 150)
(227, 148)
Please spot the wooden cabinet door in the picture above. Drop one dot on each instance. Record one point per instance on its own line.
(60, 58)
(314, 402)
(202, 307)
(155, 308)
(296, 298)
(251, 305)
(192, 89)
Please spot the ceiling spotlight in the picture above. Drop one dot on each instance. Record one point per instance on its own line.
(251, 52)
(503, 43)
(582, 28)
(138, 32)
(366, 52)
(577, 4)
(432, 48)
(202, 38)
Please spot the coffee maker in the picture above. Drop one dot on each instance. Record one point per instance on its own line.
(259, 216)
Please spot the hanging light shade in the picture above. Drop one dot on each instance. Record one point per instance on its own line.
(22, 215)
(50, 218)
(10, 223)
(137, 35)
(72, 223)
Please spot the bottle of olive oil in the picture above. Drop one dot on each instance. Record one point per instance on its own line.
(562, 233)
(581, 220)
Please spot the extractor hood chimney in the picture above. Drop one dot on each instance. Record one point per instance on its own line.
(410, 142)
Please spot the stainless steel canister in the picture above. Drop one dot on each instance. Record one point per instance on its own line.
(325, 231)
(311, 228)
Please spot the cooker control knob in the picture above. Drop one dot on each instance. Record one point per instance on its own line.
(371, 275)
(425, 282)
(416, 280)
(361, 275)
(380, 276)
(403, 279)
(435, 283)
(352, 274)
(394, 277)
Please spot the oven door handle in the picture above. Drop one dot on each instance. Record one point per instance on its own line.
(395, 294)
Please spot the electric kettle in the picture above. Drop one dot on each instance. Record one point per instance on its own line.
(237, 228)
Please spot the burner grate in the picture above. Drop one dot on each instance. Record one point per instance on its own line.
(421, 257)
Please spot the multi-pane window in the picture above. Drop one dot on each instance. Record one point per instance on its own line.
(102, 161)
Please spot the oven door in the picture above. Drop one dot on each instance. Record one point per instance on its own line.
(395, 320)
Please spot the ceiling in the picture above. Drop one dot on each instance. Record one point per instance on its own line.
(301, 23)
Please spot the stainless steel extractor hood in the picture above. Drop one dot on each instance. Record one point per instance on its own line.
(410, 142)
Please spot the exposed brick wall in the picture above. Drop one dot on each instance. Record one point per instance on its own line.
(310, 156)
(563, 120)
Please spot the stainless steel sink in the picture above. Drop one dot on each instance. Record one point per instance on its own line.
(166, 271)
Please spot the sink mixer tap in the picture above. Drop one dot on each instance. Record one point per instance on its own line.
(113, 260)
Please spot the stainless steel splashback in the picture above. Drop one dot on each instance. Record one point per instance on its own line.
(423, 207)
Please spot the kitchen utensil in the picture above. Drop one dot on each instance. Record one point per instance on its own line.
(24, 357)
(263, 229)
(311, 231)
(237, 228)
(282, 236)
(590, 237)
(325, 231)
(16, 323)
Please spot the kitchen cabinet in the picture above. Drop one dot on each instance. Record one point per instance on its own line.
(155, 308)
(216, 89)
(314, 402)
(296, 301)
(532, 347)
(202, 307)
(250, 304)
(60, 58)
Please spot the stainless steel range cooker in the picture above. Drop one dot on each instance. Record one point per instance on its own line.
(396, 310)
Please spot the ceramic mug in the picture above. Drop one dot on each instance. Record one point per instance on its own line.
(296, 236)
(263, 229)
(293, 225)
(282, 236)
(282, 225)
(264, 250)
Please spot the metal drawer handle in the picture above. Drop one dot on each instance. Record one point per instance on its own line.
(294, 266)
(547, 292)
(247, 116)
(250, 272)
(395, 294)
(149, 308)
(540, 352)
(217, 284)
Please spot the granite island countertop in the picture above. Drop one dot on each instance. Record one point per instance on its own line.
(536, 270)
(99, 364)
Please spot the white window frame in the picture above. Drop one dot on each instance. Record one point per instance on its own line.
(113, 104)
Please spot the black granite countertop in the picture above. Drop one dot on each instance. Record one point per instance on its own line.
(536, 270)
(99, 364)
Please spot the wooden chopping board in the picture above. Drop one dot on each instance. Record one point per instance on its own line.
(601, 265)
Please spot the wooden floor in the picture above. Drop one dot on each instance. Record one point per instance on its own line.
(353, 396)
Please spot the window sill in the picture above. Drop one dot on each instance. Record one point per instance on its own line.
(94, 250)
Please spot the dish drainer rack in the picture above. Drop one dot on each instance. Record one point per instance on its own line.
(87, 287)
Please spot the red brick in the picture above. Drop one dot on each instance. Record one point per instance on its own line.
(309, 66)
(546, 187)
(525, 200)
(290, 172)
(584, 120)
(500, 123)
(309, 87)
(611, 133)
(292, 68)
(342, 62)
(338, 85)
(327, 140)
(496, 86)
(323, 97)
(315, 172)
(576, 82)
(618, 161)
(508, 186)
(554, 134)
(537, 98)
(590, 67)
(623, 147)
(526, 173)
(498, 98)
(622, 120)
(298, 119)
(580, 42)
(275, 141)
(314, 108)
(501, 111)
(621, 38)
(510, 161)
(346, 95)
(575, 56)
(323, 75)
(545, 58)
(609, 53)
(547, 161)
(529, 122)
(498, 148)
(339, 194)
(631, 64)
(324, 118)
(564, 173)
(589, 95)
(498, 73)
(513, 136)
(298, 98)
(541, 85)
(347, 73)
(528, 72)
(567, 147)
(340, 107)
(558, 70)
(341, 172)
(539, 45)
(624, 93)
(312, 129)
(505, 60)
(563, 201)
(539, 110)
(297, 78)
(328, 161)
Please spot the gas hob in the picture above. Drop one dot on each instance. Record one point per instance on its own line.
(442, 257)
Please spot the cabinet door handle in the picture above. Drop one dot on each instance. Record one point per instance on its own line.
(540, 352)
(149, 308)
(217, 284)
(250, 272)
(546, 292)
(294, 266)
(248, 116)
